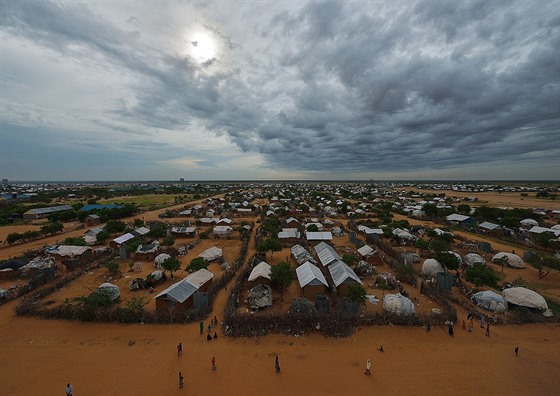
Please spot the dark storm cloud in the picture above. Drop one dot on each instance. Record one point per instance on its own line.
(337, 87)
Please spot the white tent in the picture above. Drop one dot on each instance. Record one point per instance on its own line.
(474, 259)
(160, 258)
(398, 304)
(528, 223)
(490, 301)
(513, 260)
(111, 290)
(431, 267)
(261, 270)
(211, 254)
(525, 298)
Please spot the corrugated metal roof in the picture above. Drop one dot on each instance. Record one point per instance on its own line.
(200, 277)
(341, 273)
(179, 291)
(51, 209)
(141, 231)
(319, 236)
(489, 226)
(326, 253)
(307, 273)
(123, 238)
(288, 233)
(366, 250)
(183, 230)
(456, 217)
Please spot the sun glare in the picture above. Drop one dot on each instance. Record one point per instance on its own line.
(201, 47)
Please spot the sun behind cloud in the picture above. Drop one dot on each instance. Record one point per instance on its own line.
(202, 47)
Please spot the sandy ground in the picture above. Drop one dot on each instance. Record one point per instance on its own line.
(40, 356)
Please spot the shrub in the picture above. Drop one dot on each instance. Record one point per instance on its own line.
(480, 275)
(196, 264)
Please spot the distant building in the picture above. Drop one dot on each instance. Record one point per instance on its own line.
(41, 213)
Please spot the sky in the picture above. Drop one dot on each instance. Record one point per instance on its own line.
(269, 90)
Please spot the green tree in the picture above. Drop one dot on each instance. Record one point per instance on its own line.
(545, 239)
(52, 228)
(281, 276)
(431, 210)
(102, 236)
(464, 209)
(439, 245)
(30, 235)
(480, 274)
(13, 237)
(196, 264)
(75, 241)
(272, 226)
(312, 228)
(172, 264)
(356, 293)
(509, 222)
(114, 226)
(269, 245)
(350, 259)
(113, 267)
(159, 230)
(422, 245)
(448, 260)
(168, 241)
(136, 306)
(137, 223)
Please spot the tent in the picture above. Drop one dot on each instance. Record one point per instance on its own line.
(474, 259)
(109, 289)
(524, 297)
(260, 296)
(160, 258)
(302, 305)
(513, 260)
(490, 301)
(261, 270)
(529, 223)
(431, 267)
(398, 304)
(211, 254)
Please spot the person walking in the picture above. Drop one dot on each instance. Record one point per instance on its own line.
(368, 368)
(488, 330)
(516, 349)
(482, 321)
(450, 328)
(470, 325)
(180, 380)
(463, 325)
(179, 349)
(277, 365)
(68, 389)
(213, 363)
(201, 326)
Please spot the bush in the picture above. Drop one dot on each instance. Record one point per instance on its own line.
(196, 264)
(480, 275)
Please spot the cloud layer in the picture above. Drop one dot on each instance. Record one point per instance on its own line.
(312, 90)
